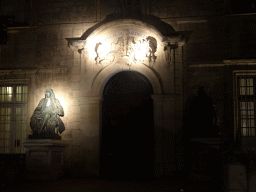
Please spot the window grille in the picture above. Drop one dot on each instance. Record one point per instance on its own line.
(246, 112)
(13, 118)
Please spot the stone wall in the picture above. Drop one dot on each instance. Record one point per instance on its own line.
(216, 38)
(209, 39)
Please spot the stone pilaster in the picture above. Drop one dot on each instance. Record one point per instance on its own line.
(88, 136)
(158, 134)
(165, 135)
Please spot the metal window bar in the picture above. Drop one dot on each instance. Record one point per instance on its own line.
(5, 116)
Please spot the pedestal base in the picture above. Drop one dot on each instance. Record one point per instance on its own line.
(203, 164)
(205, 153)
(44, 159)
(52, 137)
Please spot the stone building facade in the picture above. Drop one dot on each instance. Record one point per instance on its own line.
(76, 47)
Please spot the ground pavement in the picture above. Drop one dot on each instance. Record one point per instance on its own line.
(93, 185)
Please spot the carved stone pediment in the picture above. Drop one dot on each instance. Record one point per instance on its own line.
(126, 46)
(126, 42)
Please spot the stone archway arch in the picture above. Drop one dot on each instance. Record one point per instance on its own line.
(105, 74)
(127, 45)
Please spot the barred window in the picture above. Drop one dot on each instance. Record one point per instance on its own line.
(246, 113)
(13, 118)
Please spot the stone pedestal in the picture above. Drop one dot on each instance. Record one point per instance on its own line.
(240, 171)
(237, 178)
(204, 152)
(203, 163)
(44, 159)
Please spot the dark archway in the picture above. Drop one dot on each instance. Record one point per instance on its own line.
(127, 149)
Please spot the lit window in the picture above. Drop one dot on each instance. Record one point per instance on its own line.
(246, 86)
(13, 118)
(246, 113)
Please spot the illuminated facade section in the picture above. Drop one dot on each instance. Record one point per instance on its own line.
(124, 46)
(126, 42)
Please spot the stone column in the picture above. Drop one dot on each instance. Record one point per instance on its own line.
(179, 101)
(87, 75)
(89, 134)
(165, 135)
(170, 58)
(74, 108)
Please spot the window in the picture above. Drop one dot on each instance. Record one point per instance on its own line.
(13, 118)
(246, 111)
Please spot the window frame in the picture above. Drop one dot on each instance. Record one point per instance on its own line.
(237, 99)
(16, 82)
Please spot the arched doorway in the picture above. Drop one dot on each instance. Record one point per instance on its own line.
(127, 149)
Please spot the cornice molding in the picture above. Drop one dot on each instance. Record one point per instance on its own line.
(207, 65)
(226, 63)
(240, 62)
(17, 71)
(20, 81)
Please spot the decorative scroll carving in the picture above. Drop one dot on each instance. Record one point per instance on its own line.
(126, 46)
(76, 45)
(104, 54)
(144, 50)
(126, 50)
(169, 49)
(168, 56)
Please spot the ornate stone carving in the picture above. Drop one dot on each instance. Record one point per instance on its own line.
(169, 51)
(171, 43)
(76, 45)
(104, 54)
(125, 49)
(45, 121)
(127, 42)
(144, 50)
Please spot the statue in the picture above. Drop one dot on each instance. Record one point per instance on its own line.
(45, 121)
(201, 118)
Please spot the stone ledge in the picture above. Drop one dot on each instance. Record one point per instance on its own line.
(43, 142)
